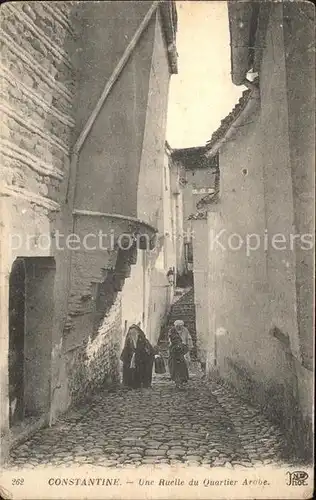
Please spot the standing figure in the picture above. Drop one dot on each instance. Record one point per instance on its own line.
(170, 276)
(138, 358)
(185, 336)
(177, 365)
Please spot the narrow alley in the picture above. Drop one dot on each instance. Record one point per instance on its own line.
(202, 425)
(156, 204)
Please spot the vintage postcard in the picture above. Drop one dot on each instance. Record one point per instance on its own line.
(157, 250)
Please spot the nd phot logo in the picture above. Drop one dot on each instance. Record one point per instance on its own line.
(297, 478)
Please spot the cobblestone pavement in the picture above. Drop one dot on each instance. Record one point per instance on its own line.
(202, 425)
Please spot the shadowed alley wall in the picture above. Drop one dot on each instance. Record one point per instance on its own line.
(262, 328)
(57, 58)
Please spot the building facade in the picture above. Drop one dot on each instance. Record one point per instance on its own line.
(258, 286)
(82, 206)
(195, 176)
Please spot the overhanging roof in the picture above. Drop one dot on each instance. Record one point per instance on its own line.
(228, 120)
(193, 158)
(248, 22)
(169, 19)
(246, 105)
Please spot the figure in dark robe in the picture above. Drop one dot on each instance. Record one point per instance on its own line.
(177, 364)
(138, 358)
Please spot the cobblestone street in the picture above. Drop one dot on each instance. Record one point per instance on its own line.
(202, 425)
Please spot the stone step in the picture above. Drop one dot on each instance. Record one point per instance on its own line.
(181, 312)
(188, 314)
(183, 309)
(188, 310)
(174, 317)
(183, 304)
(179, 304)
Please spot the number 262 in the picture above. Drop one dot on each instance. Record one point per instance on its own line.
(17, 481)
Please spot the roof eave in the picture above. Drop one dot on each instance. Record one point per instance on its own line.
(243, 16)
(168, 148)
(180, 152)
(248, 109)
(169, 21)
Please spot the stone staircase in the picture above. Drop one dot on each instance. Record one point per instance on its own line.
(182, 308)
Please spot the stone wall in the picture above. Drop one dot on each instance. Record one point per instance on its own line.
(253, 294)
(145, 295)
(133, 294)
(95, 363)
(159, 295)
(56, 58)
(196, 179)
(169, 219)
(300, 71)
(201, 289)
(37, 93)
(150, 181)
(37, 88)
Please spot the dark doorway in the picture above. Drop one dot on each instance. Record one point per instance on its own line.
(31, 306)
(16, 341)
